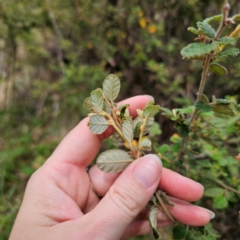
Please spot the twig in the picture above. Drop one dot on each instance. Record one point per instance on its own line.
(225, 186)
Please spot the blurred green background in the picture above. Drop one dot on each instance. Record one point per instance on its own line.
(54, 53)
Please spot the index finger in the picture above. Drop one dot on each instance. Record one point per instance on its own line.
(80, 146)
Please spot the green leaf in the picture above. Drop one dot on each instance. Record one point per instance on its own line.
(148, 125)
(236, 17)
(114, 160)
(138, 121)
(183, 129)
(150, 110)
(218, 69)
(98, 124)
(232, 197)
(204, 99)
(88, 105)
(232, 52)
(164, 148)
(127, 130)
(145, 144)
(227, 161)
(193, 30)
(203, 107)
(106, 108)
(96, 98)
(216, 18)
(220, 202)
(226, 41)
(197, 49)
(155, 129)
(111, 87)
(166, 112)
(222, 108)
(214, 192)
(179, 232)
(153, 221)
(206, 29)
(122, 109)
(223, 101)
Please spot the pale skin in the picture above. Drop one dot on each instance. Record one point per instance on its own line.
(60, 203)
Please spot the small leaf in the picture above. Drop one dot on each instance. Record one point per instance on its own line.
(114, 160)
(97, 99)
(220, 202)
(127, 130)
(204, 99)
(164, 148)
(148, 125)
(155, 129)
(193, 30)
(226, 41)
(232, 52)
(150, 111)
(236, 32)
(203, 107)
(140, 113)
(183, 129)
(88, 105)
(216, 18)
(224, 101)
(206, 29)
(145, 144)
(217, 69)
(117, 137)
(197, 49)
(98, 124)
(106, 108)
(166, 112)
(111, 87)
(236, 17)
(214, 192)
(153, 221)
(122, 109)
(222, 109)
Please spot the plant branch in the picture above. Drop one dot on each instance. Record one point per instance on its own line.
(225, 186)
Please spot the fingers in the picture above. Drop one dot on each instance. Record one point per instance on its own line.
(180, 187)
(80, 146)
(171, 182)
(126, 198)
(189, 214)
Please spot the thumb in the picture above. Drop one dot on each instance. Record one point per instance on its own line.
(126, 198)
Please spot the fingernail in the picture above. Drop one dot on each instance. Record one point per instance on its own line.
(212, 214)
(147, 170)
(151, 98)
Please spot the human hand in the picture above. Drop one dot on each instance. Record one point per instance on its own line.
(60, 201)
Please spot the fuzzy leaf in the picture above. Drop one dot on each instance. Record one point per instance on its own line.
(114, 160)
(206, 29)
(232, 52)
(214, 192)
(222, 109)
(183, 129)
(216, 18)
(97, 99)
(127, 130)
(106, 108)
(193, 30)
(145, 144)
(98, 124)
(150, 110)
(226, 41)
(197, 49)
(220, 202)
(88, 105)
(153, 221)
(123, 109)
(111, 87)
(155, 129)
(203, 107)
(166, 112)
(137, 124)
(204, 99)
(224, 101)
(218, 69)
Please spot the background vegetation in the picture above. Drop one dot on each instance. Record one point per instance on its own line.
(53, 53)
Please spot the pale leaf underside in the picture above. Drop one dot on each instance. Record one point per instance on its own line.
(114, 160)
(153, 221)
(98, 124)
(127, 130)
(88, 105)
(145, 144)
(111, 87)
(97, 99)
